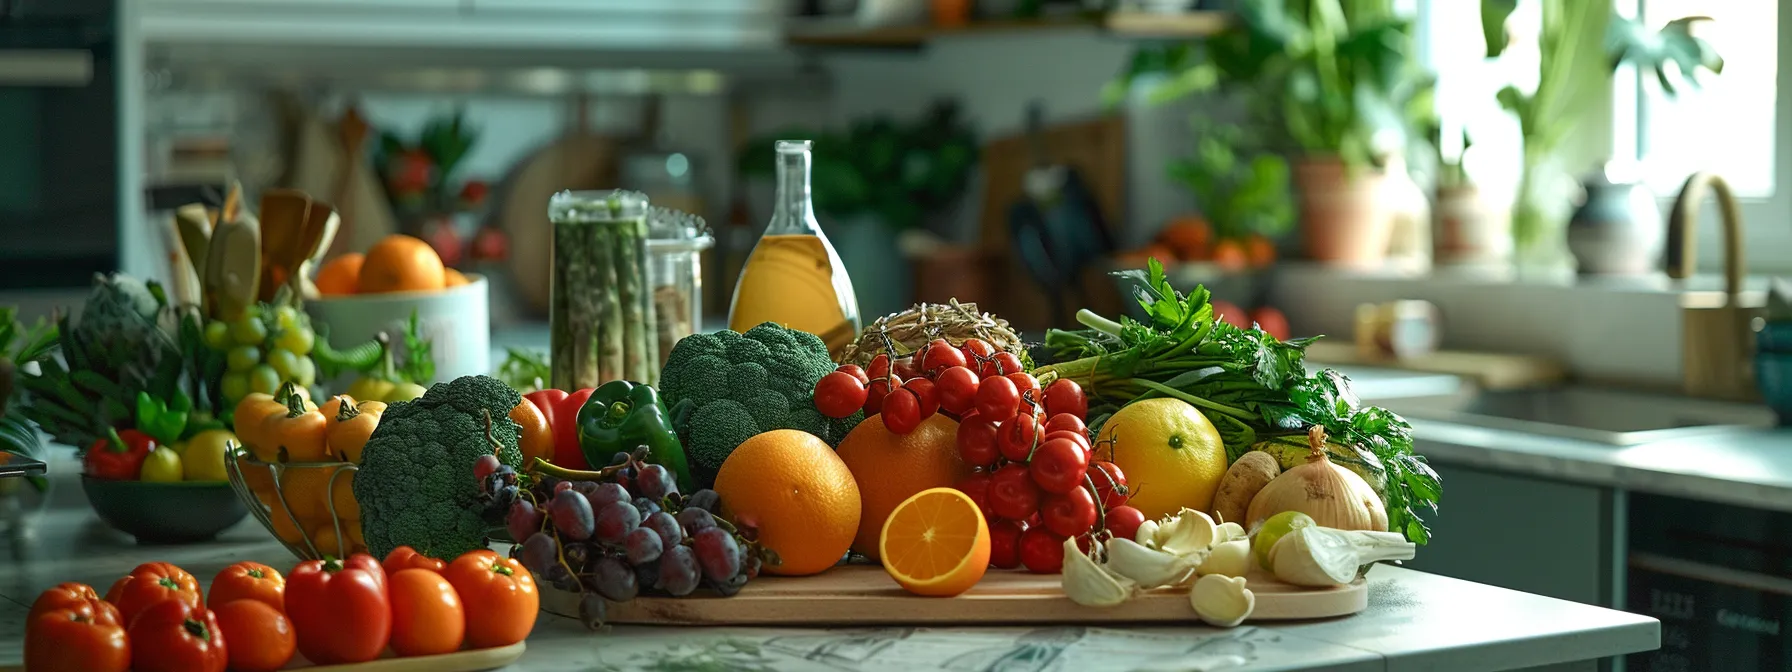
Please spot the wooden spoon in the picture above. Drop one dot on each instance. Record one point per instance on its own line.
(233, 266)
(284, 216)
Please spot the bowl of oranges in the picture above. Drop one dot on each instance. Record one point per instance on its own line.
(296, 473)
(363, 295)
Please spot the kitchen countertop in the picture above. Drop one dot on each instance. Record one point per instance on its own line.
(1415, 621)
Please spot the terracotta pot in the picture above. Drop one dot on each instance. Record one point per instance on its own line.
(951, 13)
(1343, 217)
(1469, 229)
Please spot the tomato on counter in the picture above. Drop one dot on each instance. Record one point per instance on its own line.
(260, 638)
(498, 595)
(405, 557)
(153, 582)
(248, 581)
(174, 636)
(427, 616)
(62, 596)
(84, 636)
(340, 609)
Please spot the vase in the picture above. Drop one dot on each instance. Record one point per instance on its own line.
(1540, 221)
(869, 248)
(1344, 218)
(1618, 229)
(1469, 229)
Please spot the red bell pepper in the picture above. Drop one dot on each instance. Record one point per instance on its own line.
(119, 455)
(175, 636)
(562, 411)
(340, 609)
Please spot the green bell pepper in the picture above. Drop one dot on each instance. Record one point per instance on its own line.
(163, 422)
(622, 416)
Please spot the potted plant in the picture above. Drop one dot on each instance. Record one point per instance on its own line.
(1581, 45)
(1469, 229)
(1242, 193)
(1337, 83)
(420, 182)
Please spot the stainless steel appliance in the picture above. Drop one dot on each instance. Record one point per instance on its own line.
(59, 149)
(1717, 577)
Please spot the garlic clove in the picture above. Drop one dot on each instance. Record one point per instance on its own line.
(1228, 531)
(1222, 601)
(1189, 531)
(1147, 534)
(1090, 584)
(1230, 558)
(1151, 568)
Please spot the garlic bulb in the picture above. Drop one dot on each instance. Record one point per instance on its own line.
(1321, 557)
(1090, 584)
(1147, 534)
(1222, 601)
(1189, 531)
(1151, 568)
(1334, 496)
(1231, 558)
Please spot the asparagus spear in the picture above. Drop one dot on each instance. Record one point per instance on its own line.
(630, 277)
(611, 346)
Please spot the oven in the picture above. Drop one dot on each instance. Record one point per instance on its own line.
(1719, 578)
(59, 142)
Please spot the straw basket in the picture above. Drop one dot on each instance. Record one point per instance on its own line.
(309, 506)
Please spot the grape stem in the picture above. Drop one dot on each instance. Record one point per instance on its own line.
(540, 465)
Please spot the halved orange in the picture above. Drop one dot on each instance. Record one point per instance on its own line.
(936, 543)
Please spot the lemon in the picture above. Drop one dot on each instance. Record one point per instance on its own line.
(1273, 529)
(203, 457)
(161, 466)
(1171, 454)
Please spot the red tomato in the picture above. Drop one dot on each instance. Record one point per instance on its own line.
(1110, 484)
(939, 355)
(976, 349)
(856, 372)
(260, 638)
(1070, 514)
(565, 425)
(926, 394)
(1124, 522)
(1004, 543)
(248, 581)
(997, 397)
(1012, 493)
(174, 636)
(957, 388)
(1017, 437)
(427, 618)
(340, 609)
(498, 595)
(152, 582)
(880, 367)
(1006, 363)
(405, 557)
(1230, 313)
(906, 368)
(1272, 321)
(84, 637)
(116, 592)
(1080, 438)
(839, 394)
(977, 443)
(1041, 551)
(62, 596)
(902, 411)
(976, 486)
(879, 391)
(1058, 466)
(1065, 396)
(490, 243)
(473, 192)
(1065, 422)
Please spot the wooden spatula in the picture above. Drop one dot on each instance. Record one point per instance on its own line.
(284, 214)
(233, 266)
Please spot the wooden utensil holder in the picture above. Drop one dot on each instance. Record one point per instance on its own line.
(1717, 342)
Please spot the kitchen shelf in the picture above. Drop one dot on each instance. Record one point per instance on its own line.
(846, 35)
(1160, 25)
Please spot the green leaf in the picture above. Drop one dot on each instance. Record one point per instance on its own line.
(1493, 24)
(1627, 40)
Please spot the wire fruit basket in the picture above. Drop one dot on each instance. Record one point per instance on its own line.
(309, 506)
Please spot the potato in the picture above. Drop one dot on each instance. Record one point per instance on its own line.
(1250, 473)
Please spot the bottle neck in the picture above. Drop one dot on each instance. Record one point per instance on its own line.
(795, 213)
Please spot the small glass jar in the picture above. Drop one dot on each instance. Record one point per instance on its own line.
(600, 307)
(675, 245)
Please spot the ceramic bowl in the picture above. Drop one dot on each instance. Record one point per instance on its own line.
(1773, 374)
(456, 320)
(1774, 337)
(165, 513)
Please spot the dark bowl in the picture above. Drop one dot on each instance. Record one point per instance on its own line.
(165, 513)
(1773, 374)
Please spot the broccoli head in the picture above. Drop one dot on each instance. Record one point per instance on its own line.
(416, 485)
(725, 387)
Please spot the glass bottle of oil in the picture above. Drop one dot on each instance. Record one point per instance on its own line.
(794, 277)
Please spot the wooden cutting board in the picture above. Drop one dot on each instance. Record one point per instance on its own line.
(1489, 371)
(463, 661)
(864, 595)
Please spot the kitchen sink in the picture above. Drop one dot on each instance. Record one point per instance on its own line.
(1611, 417)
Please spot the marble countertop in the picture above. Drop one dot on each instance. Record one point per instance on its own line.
(1415, 621)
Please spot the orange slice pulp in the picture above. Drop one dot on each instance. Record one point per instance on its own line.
(936, 543)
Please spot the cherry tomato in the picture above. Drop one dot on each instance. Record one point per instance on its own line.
(62, 596)
(977, 442)
(839, 394)
(340, 609)
(878, 391)
(1006, 363)
(976, 486)
(902, 411)
(880, 367)
(905, 367)
(248, 581)
(1124, 521)
(1041, 551)
(405, 557)
(1058, 466)
(957, 388)
(1004, 543)
(1078, 437)
(939, 355)
(926, 394)
(1065, 422)
(260, 638)
(1070, 514)
(975, 351)
(1012, 493)
(1017, 437)
(1030, 395)
(1110, 484)
(77, 637)
(498, 595)
(427, 617)
(856, 372)
(176, 636)
(152, 582)
(1066, 396)
(997, 398)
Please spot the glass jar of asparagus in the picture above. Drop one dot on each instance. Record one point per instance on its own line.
(600, 306)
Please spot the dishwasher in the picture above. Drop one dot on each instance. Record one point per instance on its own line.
(1718, 577)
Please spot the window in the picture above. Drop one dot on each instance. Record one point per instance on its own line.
(1725, 125)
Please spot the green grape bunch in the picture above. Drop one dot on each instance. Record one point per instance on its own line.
(264, 348)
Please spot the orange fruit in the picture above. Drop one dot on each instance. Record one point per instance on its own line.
(401, 263)
(1260, 250)
(340, 276)
(1187, 237)
(453, 278)
(796, 491)
(1230, 255)
(936, 543)
(891, 467)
